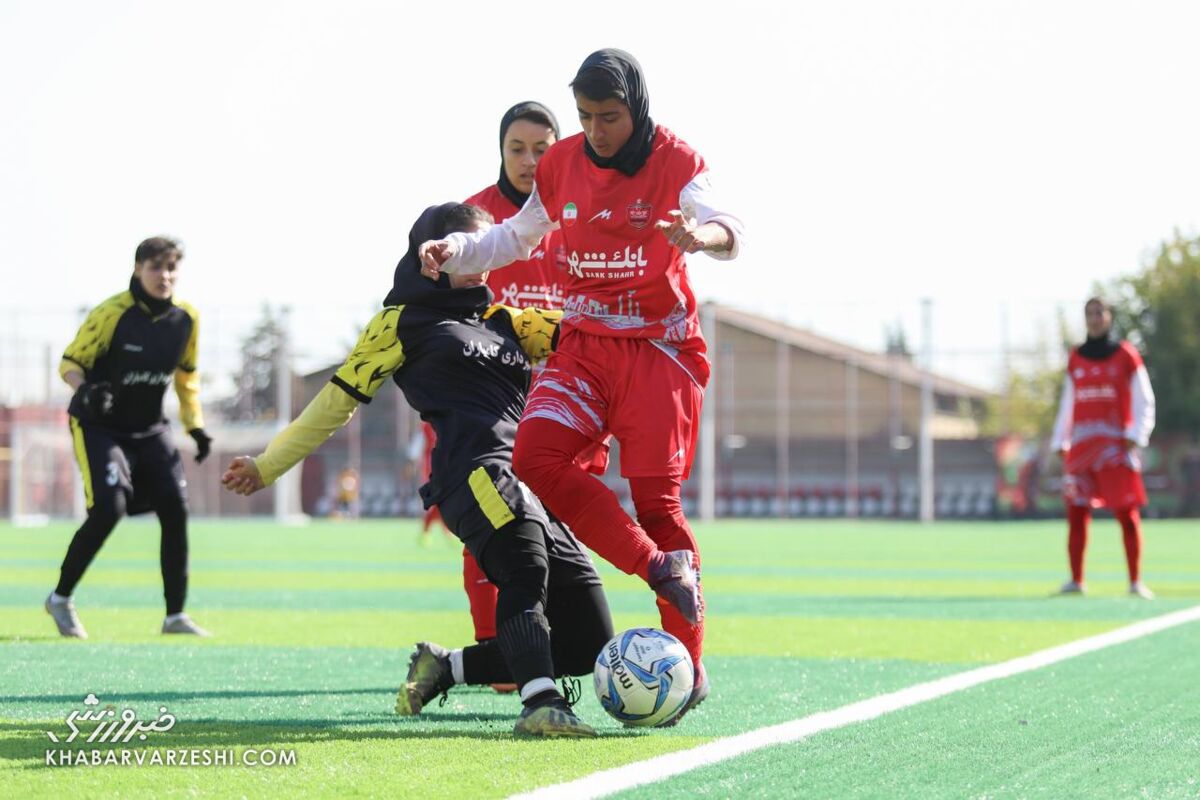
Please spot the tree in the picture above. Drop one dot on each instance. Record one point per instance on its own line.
(895, 341)
(1158, 309)
(1028, 401)
(254, 398)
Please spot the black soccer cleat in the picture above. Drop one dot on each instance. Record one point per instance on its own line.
(428, 676)
(553, 720)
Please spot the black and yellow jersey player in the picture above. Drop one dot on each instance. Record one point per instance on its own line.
(125, 354)
(465, 365)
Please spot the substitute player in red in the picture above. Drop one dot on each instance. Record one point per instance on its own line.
(527, 131)
(1106, 414)
(630, 199)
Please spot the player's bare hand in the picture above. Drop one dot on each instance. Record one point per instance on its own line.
(242, 477)
(433, 255)
(1130, 444)
(681, 232)
(1062, 454)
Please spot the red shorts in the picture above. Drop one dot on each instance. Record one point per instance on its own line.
(1117, 487)
(643, 393)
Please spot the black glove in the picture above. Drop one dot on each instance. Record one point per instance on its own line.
(95, 400)
(203, 443)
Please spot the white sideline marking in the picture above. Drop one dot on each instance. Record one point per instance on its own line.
(617, 779)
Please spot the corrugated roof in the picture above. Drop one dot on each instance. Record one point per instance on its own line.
(878, 363)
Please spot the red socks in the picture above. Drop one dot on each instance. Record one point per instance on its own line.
(660, 512)
(481, 594)
(544, 458)
(1131, 527)
(1077, 521)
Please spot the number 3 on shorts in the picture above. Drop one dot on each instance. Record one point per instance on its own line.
(111, 476)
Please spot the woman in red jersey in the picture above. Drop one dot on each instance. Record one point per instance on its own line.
(1106, 414)
(629, 199)
(526, 132)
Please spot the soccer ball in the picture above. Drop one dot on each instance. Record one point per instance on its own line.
(643, 676)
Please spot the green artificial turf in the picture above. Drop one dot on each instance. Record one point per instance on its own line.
(1119, 723)
(313, 628)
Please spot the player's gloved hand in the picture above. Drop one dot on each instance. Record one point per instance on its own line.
(203, 443)
(95, 399)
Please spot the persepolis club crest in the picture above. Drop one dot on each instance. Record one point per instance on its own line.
(569, 214)
(639, 213)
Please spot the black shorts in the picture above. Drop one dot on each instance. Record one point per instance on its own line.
(491, 498)
(147, 471)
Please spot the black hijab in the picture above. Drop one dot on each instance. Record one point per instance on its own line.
(620, 71)
(1098, 348)
(534, 112)
(410, 287)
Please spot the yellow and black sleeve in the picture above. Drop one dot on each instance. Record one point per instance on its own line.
(536, 328)
(95, 335)
(187, 378)
(376, 356)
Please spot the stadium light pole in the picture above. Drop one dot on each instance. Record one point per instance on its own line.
(15, 469)
(852, 488)
(925, 448)
(783, 420)
(708, 425)
(287, 488)
(51, 373)
(1006, 365)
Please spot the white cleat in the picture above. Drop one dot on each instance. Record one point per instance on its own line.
(1072, 587)
(182, 623)
(1139, 589)
(63, 612)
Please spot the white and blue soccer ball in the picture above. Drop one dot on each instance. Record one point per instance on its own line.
(643, 676)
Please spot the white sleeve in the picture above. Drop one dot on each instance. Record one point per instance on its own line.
(698, 201)
(515, 239)
(1061, 438)
(1142, 400)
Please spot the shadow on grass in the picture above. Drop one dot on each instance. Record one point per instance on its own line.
(222, 694)
(27, 741)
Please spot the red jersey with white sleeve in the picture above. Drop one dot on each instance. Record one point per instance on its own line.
(535, 281)
(623, 278)
(1105, 402)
